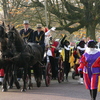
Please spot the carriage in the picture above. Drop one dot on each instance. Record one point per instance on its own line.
(54, 59)
(23, 55)
(48, 71)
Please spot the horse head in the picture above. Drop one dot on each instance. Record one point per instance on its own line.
(11, 36)
(2, 31)
(14, 37)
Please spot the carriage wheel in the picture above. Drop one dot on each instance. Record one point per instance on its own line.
(48, 74)
(60, 71)
(60, 75)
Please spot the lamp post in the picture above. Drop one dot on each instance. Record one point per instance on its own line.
(46, 17)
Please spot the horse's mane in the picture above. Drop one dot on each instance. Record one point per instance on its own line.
(4, 39)
(17, 33)
(18, 36)
(19, 42)
(3, 29)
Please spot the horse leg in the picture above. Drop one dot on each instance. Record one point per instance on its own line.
(24, 79)
(15, 78)
(11, 81)
(39, 78)
(29, 74)
(5, 80)
(4, 84)
(38, 74)
(10, 77)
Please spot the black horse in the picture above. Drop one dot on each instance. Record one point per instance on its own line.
(5, 63)
(26, 55)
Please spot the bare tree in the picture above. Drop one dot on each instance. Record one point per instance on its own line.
(74, 14)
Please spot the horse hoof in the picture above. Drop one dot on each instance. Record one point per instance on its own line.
(23, 90)
(18, 87)
(30, 86)
(4, 90)
(38, 84)
(10, 87)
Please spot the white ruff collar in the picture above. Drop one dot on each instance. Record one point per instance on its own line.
(91, 50)
(80, 48)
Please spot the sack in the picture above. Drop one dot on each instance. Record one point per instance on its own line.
(99, 83)
(77, 61)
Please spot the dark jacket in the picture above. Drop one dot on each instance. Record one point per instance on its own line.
(39, 38)
(28, 35)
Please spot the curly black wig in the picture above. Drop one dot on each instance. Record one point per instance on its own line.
(91, 44)
(81, 44)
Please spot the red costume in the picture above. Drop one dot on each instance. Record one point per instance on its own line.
(90, 65)
(54, 45)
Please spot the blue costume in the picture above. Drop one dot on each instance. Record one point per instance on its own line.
(39, 38)
(27, 35)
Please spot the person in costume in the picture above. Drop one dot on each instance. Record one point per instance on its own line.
(39, 36)
(48, 36)
(90, 65)
(80, 49)
(26, 33)
(52, 51)
(66, 49)
(54, 58)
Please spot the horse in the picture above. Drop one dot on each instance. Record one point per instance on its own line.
(5, 63)
(26, 55)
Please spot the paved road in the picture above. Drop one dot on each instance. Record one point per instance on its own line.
(65, 91)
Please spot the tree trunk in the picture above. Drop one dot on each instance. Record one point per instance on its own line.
(5, 9)
(90, 31)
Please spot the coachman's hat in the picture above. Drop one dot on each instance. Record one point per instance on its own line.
(39, 25)
(25, 22)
